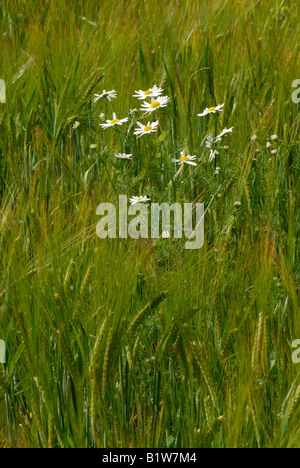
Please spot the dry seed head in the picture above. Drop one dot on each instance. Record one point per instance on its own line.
(106, 364)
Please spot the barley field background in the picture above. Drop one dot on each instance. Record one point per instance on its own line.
(141, 343)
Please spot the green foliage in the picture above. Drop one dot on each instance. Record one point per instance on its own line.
(141, 343)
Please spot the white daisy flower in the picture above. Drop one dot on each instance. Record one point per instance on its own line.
(253, 138)
(105, 94)
(135, 200)
(76, 125)
(211, 110)
(143, 129)
(151, 92)
(212, 155)
(274, 137)
(113, 122)
(225, 131)
(274, 151)
(160, 101)
(268, 145)
(185, 159)
(123, 156)
(217, 171)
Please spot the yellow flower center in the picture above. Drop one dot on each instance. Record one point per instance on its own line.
(147, 93)
(147, 128)
(211, 109)
(112, 122)
(183, 158)
(154, 104)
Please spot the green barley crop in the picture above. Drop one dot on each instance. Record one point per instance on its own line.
(141, 343)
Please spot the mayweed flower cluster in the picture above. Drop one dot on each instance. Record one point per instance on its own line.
(270, 144)
(210, 140)
(158, 101)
